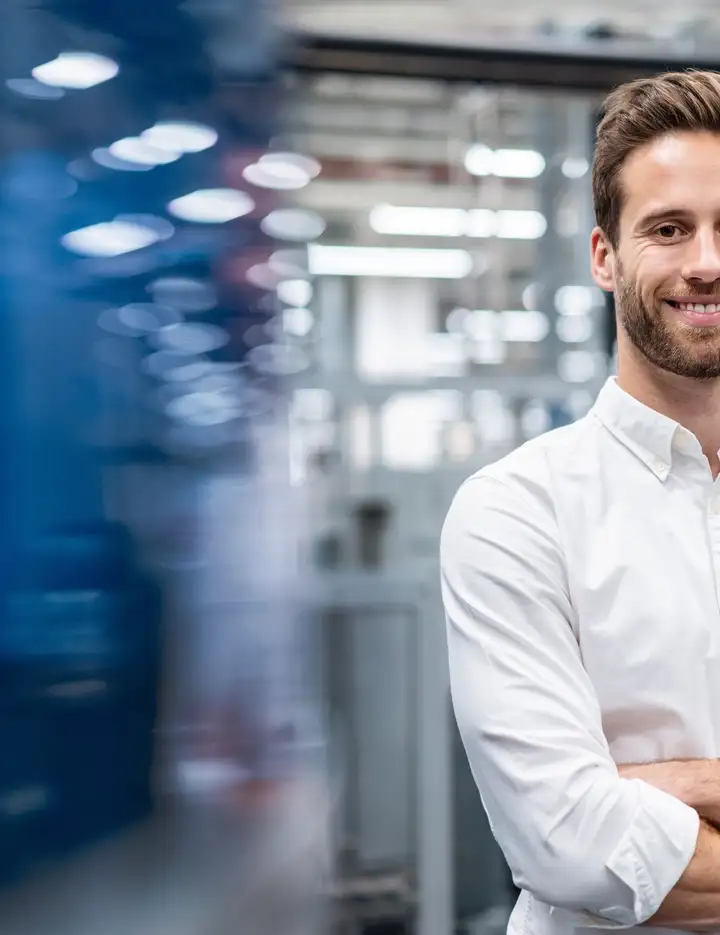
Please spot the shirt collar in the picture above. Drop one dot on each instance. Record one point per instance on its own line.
(650, 435)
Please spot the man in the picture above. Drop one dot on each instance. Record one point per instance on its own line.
(581, 574)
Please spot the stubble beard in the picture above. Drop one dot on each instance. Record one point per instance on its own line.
(686, 352)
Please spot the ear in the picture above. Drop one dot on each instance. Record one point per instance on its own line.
(602, 261)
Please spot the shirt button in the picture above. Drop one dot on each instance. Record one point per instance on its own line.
(660, 468)
(715, 505)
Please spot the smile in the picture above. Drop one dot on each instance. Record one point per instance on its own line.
(701, 308)
(698, 314)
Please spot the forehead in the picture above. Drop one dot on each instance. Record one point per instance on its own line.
(681, 170)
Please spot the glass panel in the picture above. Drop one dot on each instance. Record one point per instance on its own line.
(455, 319)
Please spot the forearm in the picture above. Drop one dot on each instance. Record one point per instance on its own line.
(693, 905)
(694, 782)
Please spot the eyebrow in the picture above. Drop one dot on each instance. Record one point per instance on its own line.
(663, 214)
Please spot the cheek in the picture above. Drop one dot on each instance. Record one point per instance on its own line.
(655, 276)
(659, 263)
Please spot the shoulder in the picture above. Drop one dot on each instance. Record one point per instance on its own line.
(533, 472)
(514, 504)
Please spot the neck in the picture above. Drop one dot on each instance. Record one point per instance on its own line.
(692, 403)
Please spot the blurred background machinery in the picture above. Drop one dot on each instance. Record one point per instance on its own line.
(275, 280)
(450, 316)
(157, 715)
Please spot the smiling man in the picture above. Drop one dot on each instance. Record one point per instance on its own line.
(581, 574)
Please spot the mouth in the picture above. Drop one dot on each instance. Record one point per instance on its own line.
(702, 314)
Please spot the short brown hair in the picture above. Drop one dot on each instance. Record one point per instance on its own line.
(636, 113)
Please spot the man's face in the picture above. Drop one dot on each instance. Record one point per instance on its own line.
(665, 272)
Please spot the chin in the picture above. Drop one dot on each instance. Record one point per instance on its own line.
(691, 366)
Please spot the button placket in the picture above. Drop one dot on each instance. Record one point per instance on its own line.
(713, 523)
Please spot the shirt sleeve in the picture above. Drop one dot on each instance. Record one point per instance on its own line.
(575, 835)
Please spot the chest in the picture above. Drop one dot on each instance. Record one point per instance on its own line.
(644, 579)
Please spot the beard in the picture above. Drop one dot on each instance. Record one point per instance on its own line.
(682, 350)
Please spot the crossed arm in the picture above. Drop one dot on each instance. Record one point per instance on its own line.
(611, 851)
(694, 903)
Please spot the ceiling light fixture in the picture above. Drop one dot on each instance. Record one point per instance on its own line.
(212, 206)
(76, 70)
(109, 239)
(390, 262)
(180, 136)
(481, 161)
(135, 149)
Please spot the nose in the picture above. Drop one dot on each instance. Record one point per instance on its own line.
(702, 260)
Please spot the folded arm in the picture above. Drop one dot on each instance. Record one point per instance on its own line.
(695, 902)
(575, 834)
(695, 782)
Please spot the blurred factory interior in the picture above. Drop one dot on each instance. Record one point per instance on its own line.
(276, 279)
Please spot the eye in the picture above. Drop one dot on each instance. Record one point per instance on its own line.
(667, 231)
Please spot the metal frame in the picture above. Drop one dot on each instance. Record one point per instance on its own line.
(584, 66)
(432, 804)
(594, 68)
(368, 894)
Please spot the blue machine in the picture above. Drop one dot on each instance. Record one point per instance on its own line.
(79, 667)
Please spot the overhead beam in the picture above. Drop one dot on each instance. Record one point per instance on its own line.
(594, 66)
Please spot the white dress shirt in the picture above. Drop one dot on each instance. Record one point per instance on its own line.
(580, 578)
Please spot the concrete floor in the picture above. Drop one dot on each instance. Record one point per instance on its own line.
(199, 871)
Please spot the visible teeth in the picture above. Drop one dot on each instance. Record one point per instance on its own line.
(701, 309)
